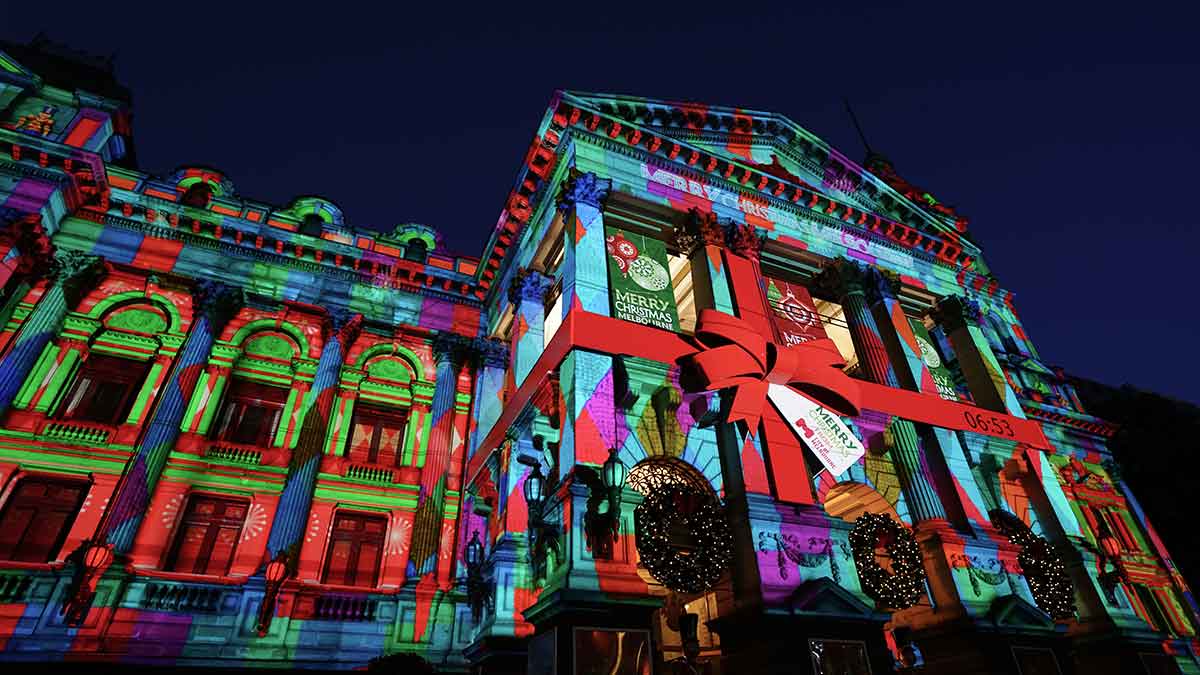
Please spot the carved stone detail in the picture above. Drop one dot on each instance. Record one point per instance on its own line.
(955, 311)
(701, 228)
(451, 347)
(529, 286)
(491, 353)
(841, 277)
(744, 240)
(218, 301)
(585, 188)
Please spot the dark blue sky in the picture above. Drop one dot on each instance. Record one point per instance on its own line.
(1067, 135)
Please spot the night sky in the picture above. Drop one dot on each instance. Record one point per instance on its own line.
(1066, 135)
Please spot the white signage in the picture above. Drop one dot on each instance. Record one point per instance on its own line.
(822, 431)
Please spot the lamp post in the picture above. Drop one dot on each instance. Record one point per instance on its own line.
(476, 589)
(96, 557)
(276, 573)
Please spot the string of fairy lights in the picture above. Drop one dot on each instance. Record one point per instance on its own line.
(683, 538)
(904, 586)
(1044, 570)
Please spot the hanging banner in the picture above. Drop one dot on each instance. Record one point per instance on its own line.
(641, 280)
(793, 312)
(821, 430)
(933, 361)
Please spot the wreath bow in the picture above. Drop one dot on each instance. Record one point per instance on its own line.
(734, 354)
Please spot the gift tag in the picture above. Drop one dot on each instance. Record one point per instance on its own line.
(821, 430)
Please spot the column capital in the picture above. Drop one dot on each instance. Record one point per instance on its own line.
(841, 277)
(744, 240)
(700, 228)
(881, 285)
(529, 285)
(491, 352)
(342, 324)
(218, 301)
(955, 311)
(586, 188)
(451, 347)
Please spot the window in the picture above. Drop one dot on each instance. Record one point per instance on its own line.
(250, 414)
(207, 536)
(553, 314)
(312, 225)
(833, 320)
(197, 196)
(1154, 614)
(839, 657)
(355, 550)
(416, 250)
(1035, 661)
(377, 436)
(37, 517)
(104, 389)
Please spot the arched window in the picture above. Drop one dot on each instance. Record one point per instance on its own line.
(416, 250)
(250, 413)
(198, 195)
(104, 389)
(378, 418)
(312, 225)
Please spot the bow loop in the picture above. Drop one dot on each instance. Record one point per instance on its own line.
(734, 354)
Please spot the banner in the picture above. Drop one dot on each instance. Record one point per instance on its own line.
(640, 280)
(933, 361)
(793, 312)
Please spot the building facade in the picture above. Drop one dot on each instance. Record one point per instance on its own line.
(714, 399)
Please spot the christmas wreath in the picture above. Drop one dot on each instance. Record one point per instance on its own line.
(904, 586)
(1042, 567)
(683, 538)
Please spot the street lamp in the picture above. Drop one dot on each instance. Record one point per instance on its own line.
(96, 557)
(613, 475)
(477, 594)
(276, 573)
(535, 492)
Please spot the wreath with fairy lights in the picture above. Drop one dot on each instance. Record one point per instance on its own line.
(1043, 568)
(683, 538)
(904, 585)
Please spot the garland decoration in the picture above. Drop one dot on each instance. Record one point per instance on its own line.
(904, 586)
(683, 538)
(1042, 567)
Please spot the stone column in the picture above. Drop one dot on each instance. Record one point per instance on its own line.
(527, 293)
(848, 281)
(287, 529)
(213, 305)
(960, 319)
(448, 350)
(584, 268)
(72, 273)
(493, 358)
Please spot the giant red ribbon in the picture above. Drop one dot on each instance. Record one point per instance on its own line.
(735, 355)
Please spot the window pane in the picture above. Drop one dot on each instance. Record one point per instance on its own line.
(222, 551)
(368, 563)
(339, 561)
(190, 546)
(12, 530)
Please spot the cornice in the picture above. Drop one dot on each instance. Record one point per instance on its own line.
(261, 255)
(1070, 419)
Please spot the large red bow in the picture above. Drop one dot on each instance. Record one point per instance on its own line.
(734, 354)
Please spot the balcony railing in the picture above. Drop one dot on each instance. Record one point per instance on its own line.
(181, 598)
(77, 433)
(344, 608)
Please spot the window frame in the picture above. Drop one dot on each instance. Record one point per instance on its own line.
(64, 530)
(226, 431)
(356, 542)
(98, 369)
(379, 413)
(212, 530)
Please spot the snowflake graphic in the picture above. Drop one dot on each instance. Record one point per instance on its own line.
(314, 527)
(171, 510)
(398, 542)
(256, 521)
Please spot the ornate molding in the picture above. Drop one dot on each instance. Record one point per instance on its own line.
(342, 324)
(700, 228)
(491, 352)
(451, 348)
(586, 188)
(744, 240)
(954, 311)
(529, 286)
(881, 285)
(842, 277)
(218, 301)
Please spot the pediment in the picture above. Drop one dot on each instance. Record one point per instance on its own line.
(825, 598)
(1011, 611)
